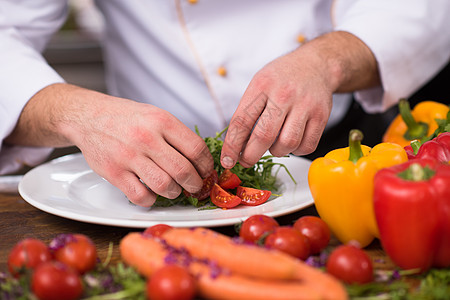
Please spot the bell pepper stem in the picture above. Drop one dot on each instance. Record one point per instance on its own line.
(415, 145)
(416, 130)
(415, 172)
(354, 143)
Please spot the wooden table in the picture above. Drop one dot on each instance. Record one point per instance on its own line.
(19, 220)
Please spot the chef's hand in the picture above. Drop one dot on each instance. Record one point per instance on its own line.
(287, 103)
(124, 141)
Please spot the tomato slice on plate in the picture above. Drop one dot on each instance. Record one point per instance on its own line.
(222, 198)
(208, 184)
(229, 180)
(251, 196)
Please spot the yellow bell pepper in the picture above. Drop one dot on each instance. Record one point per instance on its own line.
(342, 184)
(416, 124)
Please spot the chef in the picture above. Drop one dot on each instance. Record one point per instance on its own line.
(278, 73)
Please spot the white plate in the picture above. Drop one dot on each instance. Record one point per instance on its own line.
(67, 187)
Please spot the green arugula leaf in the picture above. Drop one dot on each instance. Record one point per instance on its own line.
(262, 176)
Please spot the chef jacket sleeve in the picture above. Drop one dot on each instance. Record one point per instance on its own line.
(25, 29)
(409, 38)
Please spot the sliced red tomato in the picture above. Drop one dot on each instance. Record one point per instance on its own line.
(251, 196)
(205, 191)
(222, 198)
(229, 180)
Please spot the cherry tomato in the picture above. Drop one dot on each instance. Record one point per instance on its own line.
(251, 196)
(27, 254)
(55, 281)
(228, 180)
(222, 198)
(157, 230)
(350, 264)
(208, 184)
(316, 230)
(254, 227)
(171, 282)
(290, 241)
(76, 251)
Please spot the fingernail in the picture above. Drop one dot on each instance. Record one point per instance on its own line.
(148, 202)
(173, 194)
(227, 162)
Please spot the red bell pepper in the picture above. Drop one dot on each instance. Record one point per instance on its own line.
(412, 209)
(437, 148)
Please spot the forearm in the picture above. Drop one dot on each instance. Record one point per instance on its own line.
(346, 62)
(48, 116)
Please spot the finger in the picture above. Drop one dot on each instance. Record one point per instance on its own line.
(196, 152)
(311, 137)
(241, 125)
(182, 154)
(264, 134)
(155, 177)
(135, 191)
(290, 136)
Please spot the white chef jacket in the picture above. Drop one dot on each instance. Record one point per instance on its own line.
(195, 58)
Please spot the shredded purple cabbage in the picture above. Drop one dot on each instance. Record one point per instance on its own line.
(317, 261)
(61, 240)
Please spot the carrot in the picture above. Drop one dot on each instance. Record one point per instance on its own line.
(249, 260)
(147, 254)
(239, 287)
(134, 248)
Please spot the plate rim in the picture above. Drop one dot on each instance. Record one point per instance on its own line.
(130, 223)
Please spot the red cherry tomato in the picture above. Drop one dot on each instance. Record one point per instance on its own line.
(222, 198)
(254, 227)
(290, 241)
(55, 281)
(350, 264)
(75, 250)
(27, 254)
(251, 196)
(208, 184)
(316, 230)
(157, 230)
(228, 180)
(171, 282)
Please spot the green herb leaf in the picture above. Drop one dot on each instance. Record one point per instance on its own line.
(262, 176)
